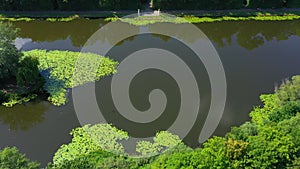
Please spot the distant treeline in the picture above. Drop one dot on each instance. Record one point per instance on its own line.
(84, 5)
(68, 5)
(224, 4)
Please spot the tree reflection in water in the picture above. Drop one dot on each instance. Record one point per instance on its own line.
(23, 117)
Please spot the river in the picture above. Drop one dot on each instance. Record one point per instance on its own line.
(256, 56)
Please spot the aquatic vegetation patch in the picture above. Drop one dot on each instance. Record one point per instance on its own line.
(26, 19)
(67, 19)
(12, 99)
(58, 67)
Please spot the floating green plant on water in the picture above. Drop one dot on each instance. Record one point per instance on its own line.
(14, 98)
(67, 19)
(58, 68)
(27, 19)
(2, 18)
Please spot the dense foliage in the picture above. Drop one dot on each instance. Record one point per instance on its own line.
(20, 79)
(93, 5)
(92, 144)
(223, 4)
(28, 75)
(58, 68)
(11, 158)
(9, 55)
(72, 5)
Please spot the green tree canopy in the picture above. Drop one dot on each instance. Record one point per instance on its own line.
(9, 55)
(10, 158)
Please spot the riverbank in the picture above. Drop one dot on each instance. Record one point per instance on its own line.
(71, 15)
(146, 20)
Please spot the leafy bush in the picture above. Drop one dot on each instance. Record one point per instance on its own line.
(9, 55)
(58, 68)
(91, 160)
(284, 104)
(289, 90)
(28, 75)
(11, 158)
(162, 141)
(295, 165)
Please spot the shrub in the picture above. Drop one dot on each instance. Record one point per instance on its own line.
(11, 158)
(9, 55)
(28, 75)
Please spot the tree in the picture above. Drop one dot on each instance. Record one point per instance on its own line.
(9, 55)
(28, 75)
(11, 158)
(161, 142)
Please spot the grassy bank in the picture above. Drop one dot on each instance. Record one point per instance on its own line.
(145, 20)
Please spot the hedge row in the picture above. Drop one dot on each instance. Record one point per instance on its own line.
(223, 4)
(67, 5)
(83, 5)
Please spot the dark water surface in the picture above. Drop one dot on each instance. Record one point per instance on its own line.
(256, 56)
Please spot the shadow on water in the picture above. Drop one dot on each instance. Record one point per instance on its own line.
(250, 34)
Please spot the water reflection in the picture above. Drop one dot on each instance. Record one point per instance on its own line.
(250, 34)
(78, 30)
(27, 44)
(23, 117)
(112, 35)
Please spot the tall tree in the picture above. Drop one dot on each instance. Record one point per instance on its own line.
(9, 55)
